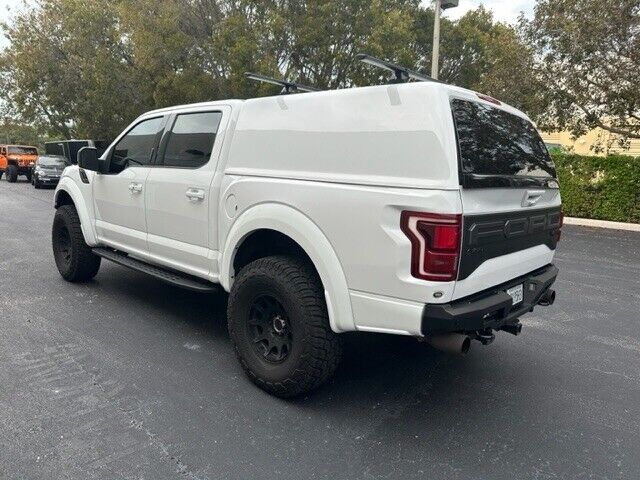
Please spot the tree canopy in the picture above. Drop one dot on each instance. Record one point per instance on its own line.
(86, 68)
(587, 59)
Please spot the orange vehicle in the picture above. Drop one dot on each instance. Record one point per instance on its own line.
(17, 160)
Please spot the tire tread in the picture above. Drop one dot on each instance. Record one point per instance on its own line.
(324, 348)
(84, 263)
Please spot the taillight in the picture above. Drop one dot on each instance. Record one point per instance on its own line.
(435, 244)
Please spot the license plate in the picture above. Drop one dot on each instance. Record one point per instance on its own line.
(516, 294)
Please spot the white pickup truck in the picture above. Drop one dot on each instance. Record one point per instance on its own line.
(417, 209)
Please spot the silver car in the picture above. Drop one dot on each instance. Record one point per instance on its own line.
(47, 170)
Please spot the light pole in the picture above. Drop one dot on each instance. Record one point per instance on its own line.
(435, 59)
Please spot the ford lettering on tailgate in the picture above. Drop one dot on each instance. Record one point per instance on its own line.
(490, 236)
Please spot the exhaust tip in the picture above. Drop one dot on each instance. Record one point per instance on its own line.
(548, 298)
(455, 343)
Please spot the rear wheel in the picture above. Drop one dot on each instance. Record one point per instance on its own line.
(29, 175)
(12, 174)
(1, 173)
(279, 326)
(74, 258)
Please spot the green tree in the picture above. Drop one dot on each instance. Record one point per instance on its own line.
(86, 68)
(481, 54)
(19, 134)
(588, 57)
(68, 69)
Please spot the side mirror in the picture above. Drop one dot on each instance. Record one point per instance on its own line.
(88, 159)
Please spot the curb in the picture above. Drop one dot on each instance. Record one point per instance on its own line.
(587, 222)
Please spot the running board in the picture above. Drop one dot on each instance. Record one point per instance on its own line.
(168, 276)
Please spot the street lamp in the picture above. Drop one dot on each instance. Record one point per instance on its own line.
(440, 5)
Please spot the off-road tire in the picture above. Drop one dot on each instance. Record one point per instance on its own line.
(315, 349)
(74, 258)
(12, 174)
(35, 183)
(1, 173)
(29, 175)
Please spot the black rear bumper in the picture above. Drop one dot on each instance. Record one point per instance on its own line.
(489, 309)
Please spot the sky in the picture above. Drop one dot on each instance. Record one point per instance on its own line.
(504, 10)
(6, 7)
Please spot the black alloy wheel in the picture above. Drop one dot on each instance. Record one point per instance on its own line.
(270, 329)
(279, 326)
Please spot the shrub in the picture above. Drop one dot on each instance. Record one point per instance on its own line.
(604, 188)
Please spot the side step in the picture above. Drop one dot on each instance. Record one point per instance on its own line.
(168, 276)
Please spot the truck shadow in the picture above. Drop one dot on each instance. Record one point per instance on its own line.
(394, 388)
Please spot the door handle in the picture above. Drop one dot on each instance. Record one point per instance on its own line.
(135, 187)
(195, 194)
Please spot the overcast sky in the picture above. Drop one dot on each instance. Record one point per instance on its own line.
(505, 10)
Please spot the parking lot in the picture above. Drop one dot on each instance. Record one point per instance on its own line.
(126, 377)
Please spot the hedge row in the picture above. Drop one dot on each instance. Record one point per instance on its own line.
(603, 188)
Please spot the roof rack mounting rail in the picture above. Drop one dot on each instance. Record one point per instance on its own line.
(402, 74)
(287, 87)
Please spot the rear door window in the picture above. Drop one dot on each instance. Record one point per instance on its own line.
(191, 140)
(499, 149)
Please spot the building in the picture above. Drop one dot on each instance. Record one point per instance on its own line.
(584, 145)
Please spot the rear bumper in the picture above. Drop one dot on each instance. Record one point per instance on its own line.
(489, 309)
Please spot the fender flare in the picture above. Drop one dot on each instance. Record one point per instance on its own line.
(307, 234)
(68, 186)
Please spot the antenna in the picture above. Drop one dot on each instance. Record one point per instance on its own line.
(402, 74)
(287, 87)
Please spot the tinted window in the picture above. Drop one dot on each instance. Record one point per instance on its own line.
(23, 150)
(136, 147)
(191, 139)
(494, 142)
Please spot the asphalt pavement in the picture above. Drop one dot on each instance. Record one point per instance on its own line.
(126, 377)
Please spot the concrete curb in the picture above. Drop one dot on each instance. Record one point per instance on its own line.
(586, 222)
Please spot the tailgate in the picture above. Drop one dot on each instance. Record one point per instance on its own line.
(510, 198)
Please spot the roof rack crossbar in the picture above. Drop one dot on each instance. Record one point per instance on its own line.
(287, 87)
(402, 74)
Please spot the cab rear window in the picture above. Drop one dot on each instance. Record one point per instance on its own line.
(499, 149)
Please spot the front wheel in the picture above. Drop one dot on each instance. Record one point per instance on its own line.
(74, 258)
(279, 326)
(29, 175)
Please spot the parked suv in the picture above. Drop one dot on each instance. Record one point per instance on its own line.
(17, 160)
(417, 209)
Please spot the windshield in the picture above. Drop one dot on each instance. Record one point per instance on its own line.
(52, 162)
(23, 150)
(493, 142)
